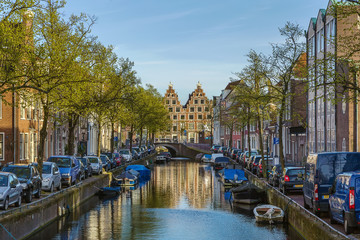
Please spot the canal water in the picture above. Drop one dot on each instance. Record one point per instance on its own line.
(183, 200)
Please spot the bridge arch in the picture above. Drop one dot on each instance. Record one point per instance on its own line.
(173, 150)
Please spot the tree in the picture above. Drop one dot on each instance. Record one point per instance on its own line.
(282, 65)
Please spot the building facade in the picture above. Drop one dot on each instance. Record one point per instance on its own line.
(191, 122)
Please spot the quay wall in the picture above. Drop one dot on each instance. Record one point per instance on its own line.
(303, 221)
(21, 222)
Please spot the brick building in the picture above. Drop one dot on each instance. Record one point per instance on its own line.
(190, 122)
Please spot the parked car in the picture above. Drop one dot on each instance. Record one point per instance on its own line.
(117, 158)
(292, 179)
(215, 148)
(82, 171)
(344, 200)
(96, 164)
(110, 157)
(246, 156)
(255, 163)
(269, 165)
(87, 166)
(106, 163)
(29, 179)
(10, 190)
(276, 173)
(126, 154)
(320, 172)
(238, 156)
(234, 153)
(69, 168)
(135, 154)
(223, 150)
(51, 177)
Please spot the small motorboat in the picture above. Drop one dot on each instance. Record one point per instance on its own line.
(248, 193)
(145, 173)
(125, 179)
(206, 158)
(232, 177)
(221, 162)
(109, 191)
(268, 214)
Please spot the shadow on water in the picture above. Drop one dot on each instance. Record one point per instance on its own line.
(183, 200)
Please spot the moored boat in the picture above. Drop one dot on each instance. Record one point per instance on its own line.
(145, 173)
(268, 214)
(125, 179)
(206, 158)
(248, 193)
(221, 162)
(109, 191)
(232, 177)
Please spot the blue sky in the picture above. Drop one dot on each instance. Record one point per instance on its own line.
(186, 41)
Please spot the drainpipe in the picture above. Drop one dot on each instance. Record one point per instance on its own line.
(14, 124)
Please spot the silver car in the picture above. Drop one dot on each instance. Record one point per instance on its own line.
(51, 177)
(96, 164)
(125, 153)
(10, 190)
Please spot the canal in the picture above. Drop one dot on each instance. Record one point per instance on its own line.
(183, 200)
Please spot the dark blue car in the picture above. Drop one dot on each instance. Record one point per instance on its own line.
(69, 168)
(344, 200)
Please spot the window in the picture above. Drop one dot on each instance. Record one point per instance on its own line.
(174, 128)
(167, 101)
(36, 147)
(170, 109)
(2, 147)
(199, 109)
(182, 117)
(191, 126)
(22, 109)
(26, 149)
(173, 101)
(191, 116)
(208, 116)
(192, 109)
(28, 113)
(202, 101)
(200, 116)
(206, 109)
(21, 146)
(177, 109)
(174, 117)
(196, 101)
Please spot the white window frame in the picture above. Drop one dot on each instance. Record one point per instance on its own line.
(21, 146)
(26, 146)
(2, 147)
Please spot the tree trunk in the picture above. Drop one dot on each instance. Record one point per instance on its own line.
(141, 133)
(43, 135)
(243, 139)
(73, 120)
(231, 136)
(99, 140)
(261, 143)
(131, 136)
(112, 138)
(281, 150)
(248, 129)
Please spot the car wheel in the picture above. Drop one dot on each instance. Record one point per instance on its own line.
(306, 206)
(18, 203)
(347, 228)
(60, 186)
(332, 220)
(6, 204)
(38, 193)
(28, 197)
(52, 187)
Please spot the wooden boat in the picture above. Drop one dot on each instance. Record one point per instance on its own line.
(268, 214)
(248, 193)
(109, 191)
(221, 162)
(125, 179)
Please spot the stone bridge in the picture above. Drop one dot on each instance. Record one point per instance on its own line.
(181, 150)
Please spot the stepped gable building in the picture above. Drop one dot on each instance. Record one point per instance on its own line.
(191, 122)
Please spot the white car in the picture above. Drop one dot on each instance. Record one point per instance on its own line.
(126, 154)
(51, 177)
(96, 164)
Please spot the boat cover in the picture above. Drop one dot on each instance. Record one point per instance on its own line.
(134, 172)
(230, 174)
(144, 171)
(208, 156)
(125, 174)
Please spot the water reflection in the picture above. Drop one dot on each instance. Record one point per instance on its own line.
(183, 200)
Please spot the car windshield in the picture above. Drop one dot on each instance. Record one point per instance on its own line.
(83, 160)
(109, 155)
(20, 172)
(61, 162)
(93, 160)
(103, 159)
(3, 181)
(124, 152)
(296, 172)
(46, 169)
